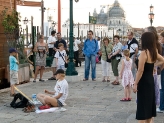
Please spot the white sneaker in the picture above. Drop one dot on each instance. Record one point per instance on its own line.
(159, 110)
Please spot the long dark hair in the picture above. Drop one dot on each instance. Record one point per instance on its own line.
(162, 34)
(148, 42)
(154, 31)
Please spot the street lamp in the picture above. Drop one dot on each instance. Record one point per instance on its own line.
(53, 23)
(71, 66)
(25, 21)
(151, 15)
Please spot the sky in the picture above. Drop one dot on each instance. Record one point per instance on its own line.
(136, 11)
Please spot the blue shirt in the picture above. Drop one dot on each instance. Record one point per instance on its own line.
(13, 63)
(124, 47)
(90, 47)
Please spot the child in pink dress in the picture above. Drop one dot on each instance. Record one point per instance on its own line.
(127, 76)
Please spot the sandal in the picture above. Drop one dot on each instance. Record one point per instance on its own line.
(115, 83)
(103, 80)
(29, 109)
(85, 79)
(124, 99)
(41, 80)
(129, 99)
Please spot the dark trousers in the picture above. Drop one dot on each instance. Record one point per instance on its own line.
(51, 52)
(76, 57)
(161, 107)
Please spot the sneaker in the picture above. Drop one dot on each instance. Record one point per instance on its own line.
(159, 110)
(34, 81)
(52, 78)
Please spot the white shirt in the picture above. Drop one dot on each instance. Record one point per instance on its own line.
(50, 40)
(75, 45)
(99, 43)
(117, 47)
(133, 47)
(61, 87)
(59, 57)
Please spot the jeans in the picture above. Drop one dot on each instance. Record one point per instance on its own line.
(90, 60)
(161, 107)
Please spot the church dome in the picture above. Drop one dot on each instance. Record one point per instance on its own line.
(116, 10)
(102, 14)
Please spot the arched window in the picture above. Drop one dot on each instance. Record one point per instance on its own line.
(119, 22)
(110, 22)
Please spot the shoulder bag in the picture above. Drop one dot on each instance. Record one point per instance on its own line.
(107, 59)
(66, 64)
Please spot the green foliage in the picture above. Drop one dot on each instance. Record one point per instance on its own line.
(10, 21)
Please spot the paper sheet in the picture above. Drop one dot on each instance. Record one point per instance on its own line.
(50, 110)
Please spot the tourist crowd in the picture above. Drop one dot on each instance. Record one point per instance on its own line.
(142, 71)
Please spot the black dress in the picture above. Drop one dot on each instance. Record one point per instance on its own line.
(146, 107)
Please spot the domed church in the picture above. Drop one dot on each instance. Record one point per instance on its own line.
(114, 18)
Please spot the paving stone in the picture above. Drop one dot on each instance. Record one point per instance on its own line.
(88, 102)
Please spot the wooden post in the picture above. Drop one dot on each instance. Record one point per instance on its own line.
(42, 17)
(59, 16)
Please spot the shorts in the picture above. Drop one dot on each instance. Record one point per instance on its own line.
(53, 63)
(61, 67)
(59, 104)
(13, 77)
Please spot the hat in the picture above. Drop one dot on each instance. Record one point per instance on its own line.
(11, 50)
(59, 71)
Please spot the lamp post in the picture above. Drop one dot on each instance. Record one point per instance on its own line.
(151, 14)
(71, 66)
(66, 25)
(53, 25)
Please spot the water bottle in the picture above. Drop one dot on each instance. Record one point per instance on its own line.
(34, 97)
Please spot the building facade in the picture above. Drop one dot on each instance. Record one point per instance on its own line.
(114, 18)
(80, 30)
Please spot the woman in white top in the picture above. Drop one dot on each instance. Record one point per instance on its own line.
(76, 51)
(51, 42)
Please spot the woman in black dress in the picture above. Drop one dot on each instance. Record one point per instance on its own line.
(144, 82)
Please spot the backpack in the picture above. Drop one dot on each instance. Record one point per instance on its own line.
(86, 41)
(21, 104)
(134, 41)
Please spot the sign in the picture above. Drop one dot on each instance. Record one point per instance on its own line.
(92, 20)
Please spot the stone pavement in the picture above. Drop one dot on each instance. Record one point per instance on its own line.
(88, 102)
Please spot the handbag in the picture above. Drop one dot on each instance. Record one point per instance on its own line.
(97, 59)
(66, 64)
(107, 59)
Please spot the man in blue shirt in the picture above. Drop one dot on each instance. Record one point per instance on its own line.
(90, 50)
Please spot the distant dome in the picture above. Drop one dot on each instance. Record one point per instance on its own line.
(102, 14)
(116, 10)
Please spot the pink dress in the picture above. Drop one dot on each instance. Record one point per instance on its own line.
(127, 76)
